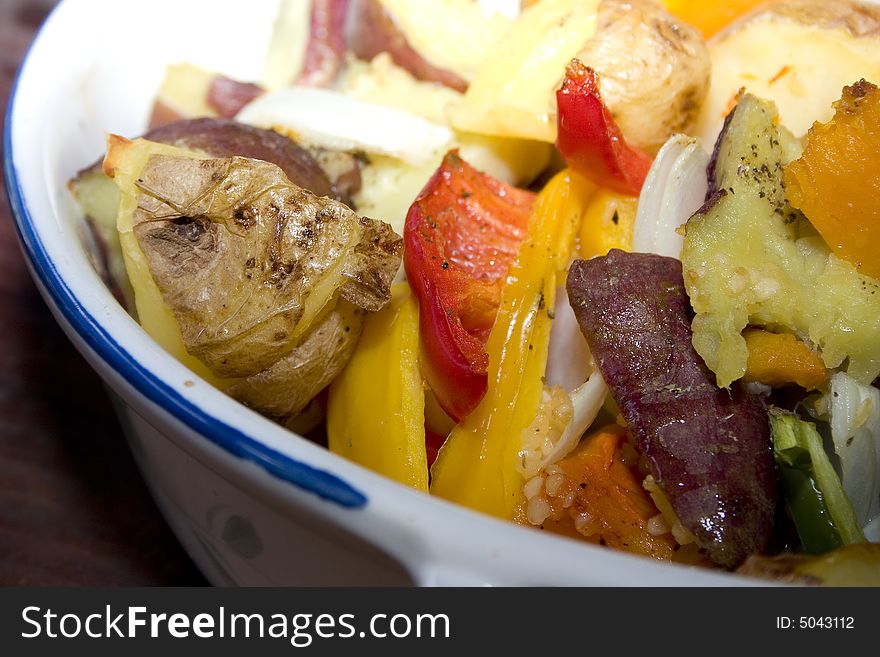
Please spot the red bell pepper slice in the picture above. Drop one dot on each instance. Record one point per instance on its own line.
(589, 138)
(461, 235)
(433, 443)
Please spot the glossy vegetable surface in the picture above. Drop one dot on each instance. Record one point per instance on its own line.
(749, 258)
(376, 409)
(836, 182)
(479, 466)
(708, 448)
(461, 234)
(814, 498)
(590, 140)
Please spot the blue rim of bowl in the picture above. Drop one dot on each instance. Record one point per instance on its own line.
(324, 484)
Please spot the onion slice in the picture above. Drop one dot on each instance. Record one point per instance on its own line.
(674, 189)
(586, 403)
(336, 121)
(855, 430)
(569, 362)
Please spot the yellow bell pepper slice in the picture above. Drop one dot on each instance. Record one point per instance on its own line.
(376, 407)
(608, 223)
(477, 466)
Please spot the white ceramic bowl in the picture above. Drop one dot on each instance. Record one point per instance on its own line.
(252, 503)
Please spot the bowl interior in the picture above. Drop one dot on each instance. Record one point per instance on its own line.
(93, 69)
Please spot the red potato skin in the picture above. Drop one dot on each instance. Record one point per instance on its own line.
(226, 138)
(461, 235)
(162, 114)
(589, 138)
(325, 51)
(227, 96)
(709, 448)
(372, 30)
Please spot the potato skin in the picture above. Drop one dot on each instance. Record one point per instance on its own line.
(285, 388)
(797, 53)
(372, 30)
(246, 261)
(228, 138)
(654, 70)
(858, 18)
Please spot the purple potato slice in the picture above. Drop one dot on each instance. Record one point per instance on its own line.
(708, 448)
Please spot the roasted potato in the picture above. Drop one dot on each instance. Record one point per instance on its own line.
(797, 53)
(653, 70)
(447, 49)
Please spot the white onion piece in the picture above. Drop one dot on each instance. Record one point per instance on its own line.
(333, 120)
(586, 403)
(674, 189)
(569, 362)
(855, 430)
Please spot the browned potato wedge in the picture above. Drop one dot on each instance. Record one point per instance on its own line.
(98, 196)
(286, 387)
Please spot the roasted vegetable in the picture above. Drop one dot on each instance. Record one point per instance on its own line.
(780, 359)
(674, 189)
(461, 234)
(608, 223)
(654, 70)
(836, 182)
(653, 67)
(601, 497)
(814, 498)
(797, 53)
(247, 263)
(375, 29)
(284, 388)
(190, 92)
(376, 408)
(750, 259)
(225, 138)
(851, 565)
(98, 196)
(710, 17)
(479, 466)
(291, 38)
(227, 96)
(708, 448)
(325, 51)
(853, 413)
(274, 391)
(590, 140)
(183, 94)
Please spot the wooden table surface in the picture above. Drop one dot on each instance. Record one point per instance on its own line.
(74, 510)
